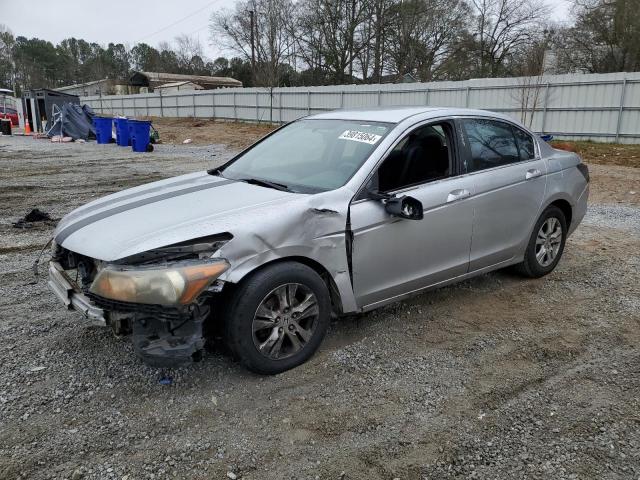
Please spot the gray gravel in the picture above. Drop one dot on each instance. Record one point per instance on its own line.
(619, 217)
(497, 377)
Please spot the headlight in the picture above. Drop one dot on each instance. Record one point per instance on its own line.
(170, 285)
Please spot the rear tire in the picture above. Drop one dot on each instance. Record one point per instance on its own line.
(276, 319)
(546, 244)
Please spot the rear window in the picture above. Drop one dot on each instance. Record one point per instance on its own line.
(492, 144)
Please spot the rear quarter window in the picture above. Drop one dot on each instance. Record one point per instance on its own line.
(525, 144)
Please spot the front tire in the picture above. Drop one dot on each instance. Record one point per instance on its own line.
(546, 244)
(276, 319)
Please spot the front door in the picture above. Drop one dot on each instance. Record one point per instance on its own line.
(393, 256)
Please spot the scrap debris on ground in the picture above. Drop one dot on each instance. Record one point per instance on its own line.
(33, 216)
(497, 377)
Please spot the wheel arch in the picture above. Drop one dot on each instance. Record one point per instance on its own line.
(321, 270)
(558, 200)
(565, 207)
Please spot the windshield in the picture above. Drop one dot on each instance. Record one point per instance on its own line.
(309, 156)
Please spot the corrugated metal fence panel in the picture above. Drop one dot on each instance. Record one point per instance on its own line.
(447, 98)
(599, 107)
(632, 95)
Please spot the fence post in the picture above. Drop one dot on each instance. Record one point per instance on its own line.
(341, 98)
(308, 102)
(271, 105)
(280, 108)
(466, 100)
(122, 102)
(619, 123)
(213, 104)
(101, 109)
(544, 109)
(235, 111)
(146, 104)
(193, 100)
(379, 97)
(426, 97)
(161, 108)
(257, 109)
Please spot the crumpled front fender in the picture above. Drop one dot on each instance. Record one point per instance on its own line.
(313, 227)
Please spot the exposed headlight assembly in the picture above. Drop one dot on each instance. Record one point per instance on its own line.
(171, 285)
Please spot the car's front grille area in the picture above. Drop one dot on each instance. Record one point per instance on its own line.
(161, 312)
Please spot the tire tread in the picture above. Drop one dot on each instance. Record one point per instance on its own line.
(243, 300)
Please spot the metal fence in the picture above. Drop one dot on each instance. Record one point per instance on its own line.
(599, 107)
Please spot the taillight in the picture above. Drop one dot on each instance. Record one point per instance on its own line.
(584, 170)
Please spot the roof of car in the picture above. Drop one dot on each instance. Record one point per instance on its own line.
(398, 114)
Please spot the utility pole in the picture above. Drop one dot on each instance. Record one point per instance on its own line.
(253, 50)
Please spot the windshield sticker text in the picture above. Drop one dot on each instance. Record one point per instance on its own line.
(364, 137)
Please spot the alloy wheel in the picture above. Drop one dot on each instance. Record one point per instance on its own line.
(548, 241)
(285, 321)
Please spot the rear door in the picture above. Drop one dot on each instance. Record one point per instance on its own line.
(509, 180)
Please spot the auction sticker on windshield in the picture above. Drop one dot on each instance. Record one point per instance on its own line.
(357, 136)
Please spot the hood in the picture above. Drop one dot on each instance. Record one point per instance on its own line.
(163, 213)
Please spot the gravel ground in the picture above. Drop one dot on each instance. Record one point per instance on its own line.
(497, 377)
(618, 217)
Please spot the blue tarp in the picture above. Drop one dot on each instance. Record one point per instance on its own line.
(75, 121)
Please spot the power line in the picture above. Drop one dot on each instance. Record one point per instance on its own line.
(177, 21)
(198, 30)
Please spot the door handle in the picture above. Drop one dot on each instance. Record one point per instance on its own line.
(458, 194)
(532, 173)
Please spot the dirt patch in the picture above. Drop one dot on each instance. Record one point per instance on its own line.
(603, 153)
(614, 184)
(237, 135)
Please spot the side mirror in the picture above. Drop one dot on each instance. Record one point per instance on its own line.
(404, 207)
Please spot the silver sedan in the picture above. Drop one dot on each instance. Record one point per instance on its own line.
(335, 213)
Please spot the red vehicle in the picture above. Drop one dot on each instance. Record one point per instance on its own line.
(8, 106)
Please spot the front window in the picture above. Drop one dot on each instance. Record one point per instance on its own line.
(424, 155)
(309, 156)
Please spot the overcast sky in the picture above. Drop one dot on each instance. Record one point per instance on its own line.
(130, 21)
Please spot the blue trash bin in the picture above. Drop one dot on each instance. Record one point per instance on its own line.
(104, 129)
(139, 131)
(122, 132)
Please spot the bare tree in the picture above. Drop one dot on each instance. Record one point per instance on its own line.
(271, 36)
(530, 69)
(503, 27)
(604, 38)
(377, 26)
(189, 52)
(423, 34)
(308, 42)
(332, 35)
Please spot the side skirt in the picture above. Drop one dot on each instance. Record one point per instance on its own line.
(459, 278)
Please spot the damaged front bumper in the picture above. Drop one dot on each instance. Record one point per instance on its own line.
(161, 336)
(71, 296)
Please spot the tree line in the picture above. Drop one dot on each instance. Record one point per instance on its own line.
(345, 41)
(35, 63)
(322, 42)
